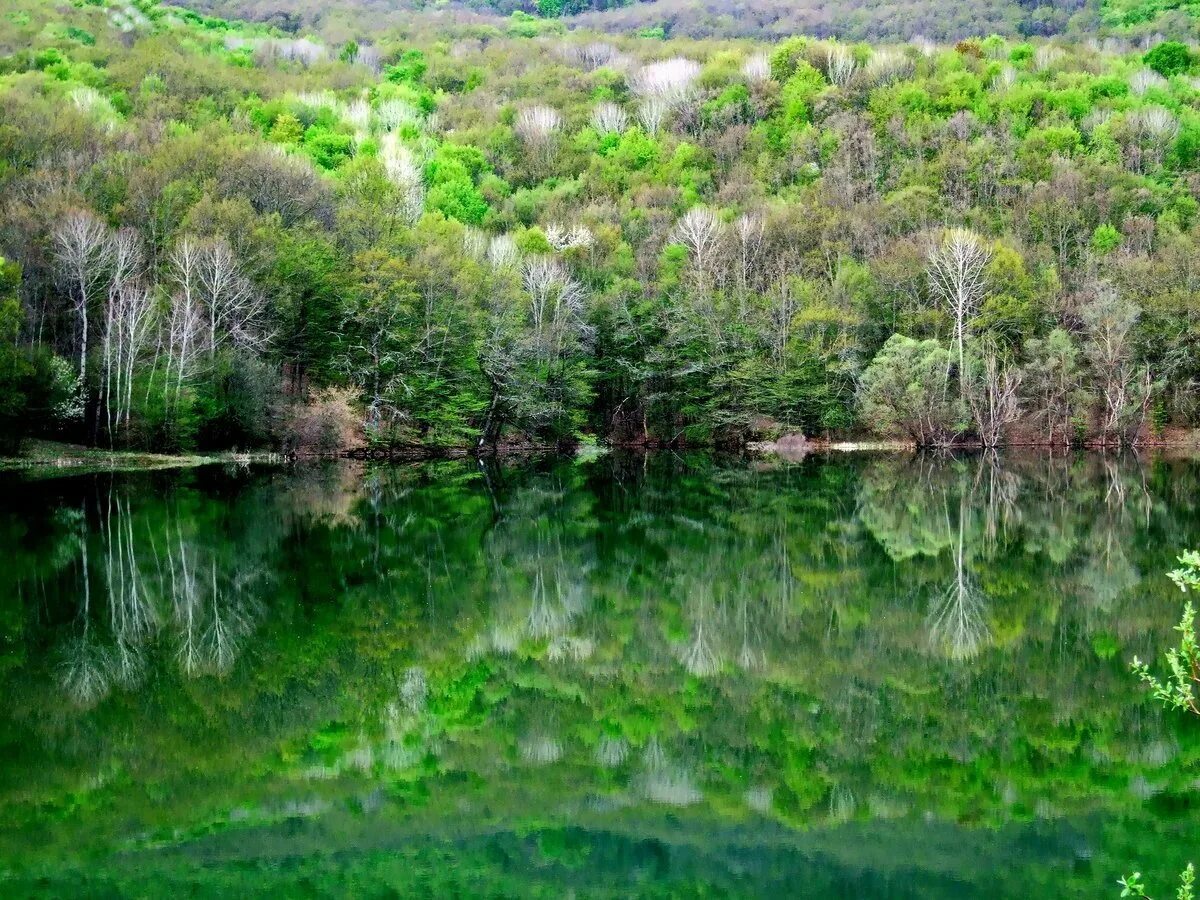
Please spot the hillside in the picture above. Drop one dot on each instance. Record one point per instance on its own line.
(855, 20)
(466, 233)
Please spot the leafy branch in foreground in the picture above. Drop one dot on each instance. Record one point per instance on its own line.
(1133, 887)
(1178, 690)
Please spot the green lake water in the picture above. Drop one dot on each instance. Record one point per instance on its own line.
(665, 675)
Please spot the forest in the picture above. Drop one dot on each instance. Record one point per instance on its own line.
(473, 232)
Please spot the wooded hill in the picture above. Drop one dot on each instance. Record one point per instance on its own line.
(469, 232)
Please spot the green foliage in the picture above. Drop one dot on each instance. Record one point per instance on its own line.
(1169, 58)
(1105, 239)
(328, 149)
(905, 389)
(408, 69)
(1178, 691)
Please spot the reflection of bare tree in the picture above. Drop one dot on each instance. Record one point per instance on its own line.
(663, 781)
(540, 581)
(133, 619)
(211, 618)
(702, 655)
(996, 491)
(957, 625)
(842, 803)
(611, 752)
(187, 583)
(85, 670)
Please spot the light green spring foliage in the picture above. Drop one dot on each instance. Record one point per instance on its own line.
(1178, 690)
(462, 277)
(1133, 885)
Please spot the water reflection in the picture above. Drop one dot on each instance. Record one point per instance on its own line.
(803, 646)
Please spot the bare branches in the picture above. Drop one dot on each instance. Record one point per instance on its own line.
(563, 238)
(404, 172)
(83, 248)
(756, 69)
(537, 127)
(1108, 322)
(994, 398)
(702, 233)
(608, 118)
(128, 325)
(840, 64)
(1145, 79)
(652, 112)
(956, 267)
(212, 303)
(669, 80)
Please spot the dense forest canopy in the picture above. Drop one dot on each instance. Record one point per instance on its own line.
(466, 230)
(887, 20)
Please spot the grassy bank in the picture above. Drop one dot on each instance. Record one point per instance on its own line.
(48, 458)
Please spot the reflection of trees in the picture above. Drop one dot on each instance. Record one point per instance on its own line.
(957, 623)
(606, 601)
(539, 560)
(150, 571)
(664, 781)
(907, 508)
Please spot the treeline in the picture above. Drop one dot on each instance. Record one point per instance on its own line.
(765, 20)
(220, 235)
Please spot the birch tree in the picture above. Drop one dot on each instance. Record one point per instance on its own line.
(83, 249)
(702, 233)
(957, 270)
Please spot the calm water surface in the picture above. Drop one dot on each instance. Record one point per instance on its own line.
(631, 676)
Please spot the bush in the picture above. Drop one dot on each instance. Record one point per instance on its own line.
(1169, 58)
(327, 423)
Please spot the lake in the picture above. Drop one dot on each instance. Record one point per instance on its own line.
(660, 675)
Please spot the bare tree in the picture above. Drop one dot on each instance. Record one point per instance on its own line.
(756, 69)
(1108, 322)
(608, 118)
(957, 271)
(1144, 79)
(840, 64)
(750, 229)
(652, 111)
(1154, 130)
(233, 305)
(556, 303)
(994, 398)
(502, 252)
(128, 325)
(888, 66)
(185, 343)
(537, 127)
(405, 173)
(702, 233)
(395, 113)
(564, 238)
(83, 248)
(669, 80)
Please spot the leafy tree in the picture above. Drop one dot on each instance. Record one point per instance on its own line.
(906, 389)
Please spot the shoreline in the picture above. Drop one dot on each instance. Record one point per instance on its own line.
(50, 457)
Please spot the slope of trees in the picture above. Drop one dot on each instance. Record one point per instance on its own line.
(227, 235)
